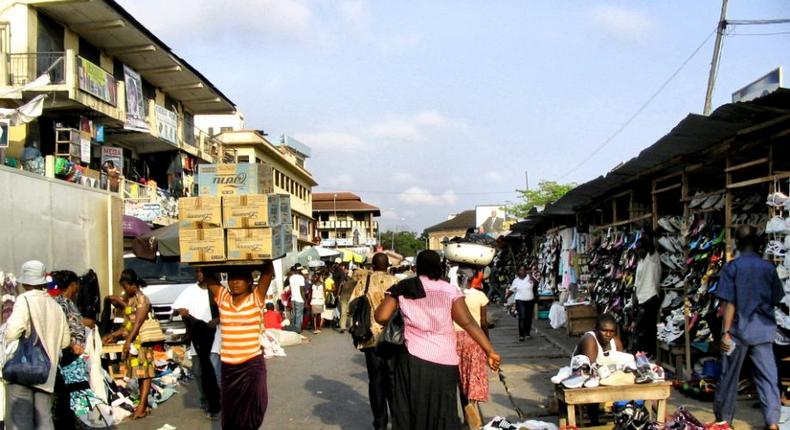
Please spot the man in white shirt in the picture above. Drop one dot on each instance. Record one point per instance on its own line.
(296, 283)
(35, 309)
(646, 284)
(523, 287)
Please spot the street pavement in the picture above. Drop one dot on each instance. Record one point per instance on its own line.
(323, 384)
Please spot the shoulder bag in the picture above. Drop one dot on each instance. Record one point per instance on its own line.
(151, 330)
(30, 363)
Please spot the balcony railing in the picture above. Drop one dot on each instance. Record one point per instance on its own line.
(26, 67)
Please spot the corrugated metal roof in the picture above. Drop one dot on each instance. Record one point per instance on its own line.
(693, 134)
(464, 220)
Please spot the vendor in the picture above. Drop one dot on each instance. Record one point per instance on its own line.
(598, 343)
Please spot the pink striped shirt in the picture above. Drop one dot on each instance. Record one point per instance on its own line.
(428, 323)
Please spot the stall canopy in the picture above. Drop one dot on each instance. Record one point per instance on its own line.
(133, 227)
(315, 254)
(163, 240)
(349, 256)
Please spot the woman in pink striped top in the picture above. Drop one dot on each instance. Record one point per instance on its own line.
(426, 371)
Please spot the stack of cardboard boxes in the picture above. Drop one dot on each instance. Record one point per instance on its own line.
(237, 216)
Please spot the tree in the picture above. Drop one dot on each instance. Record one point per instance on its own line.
(547, 192)
(407, 243)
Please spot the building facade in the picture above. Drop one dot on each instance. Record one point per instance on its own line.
(456, 226)
(344, 220)
(112, 92)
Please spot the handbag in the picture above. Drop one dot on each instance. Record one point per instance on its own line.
(151, 330)
(30, 364)
(393, 331)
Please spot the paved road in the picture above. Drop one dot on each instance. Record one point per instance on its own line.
(321, 385)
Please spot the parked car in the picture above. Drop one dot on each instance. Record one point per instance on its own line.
(166, 278)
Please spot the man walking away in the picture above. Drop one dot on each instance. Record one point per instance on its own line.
(297, 285)
(379, 363)
(749, 289)
(524, 289)
(31, 407)
(345, 289)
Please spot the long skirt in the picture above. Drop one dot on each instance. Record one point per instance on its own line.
(473, 368)
(244, 394)
(425, 395)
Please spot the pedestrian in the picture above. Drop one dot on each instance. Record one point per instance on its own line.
(345, 291)
(200, 315)
(66, 286)
(272, 319)
(135, 306)
(243, 387)
(472, 367)
(749, 289)
(379, 362)
(297, 283)
(317, 301)
(524, 289)
(646, 284)
(426, 370)
(30, 407)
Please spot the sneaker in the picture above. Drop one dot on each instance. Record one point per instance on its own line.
(697, 200)
(618, 378)
(666, 224)
(667, 260)
(666, 243)
(576, 380)
(561, 375)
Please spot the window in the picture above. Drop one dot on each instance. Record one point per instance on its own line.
(324, 217)
(224, 129)
(211, 131)
(359, 217)
(243, 159)
(90, 52)
(324, 235)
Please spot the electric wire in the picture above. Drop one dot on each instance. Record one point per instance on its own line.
(644, 106)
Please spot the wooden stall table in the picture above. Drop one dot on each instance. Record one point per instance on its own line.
(658, 392)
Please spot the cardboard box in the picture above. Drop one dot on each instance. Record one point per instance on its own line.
(200, 212)
(202, 245)
(285, 209)
(286, 238)
(235, 179)
(253, 243)
(250, 211)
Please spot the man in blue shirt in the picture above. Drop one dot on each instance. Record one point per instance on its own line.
(749, 289)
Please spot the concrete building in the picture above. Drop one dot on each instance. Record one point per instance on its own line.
(114, 91)
(287, 159)
(344, 220)
(455, 226)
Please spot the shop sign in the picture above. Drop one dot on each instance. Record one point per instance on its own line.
(94, 80)
(4, 133)
(147, 212)
(167, 124)
(114, 154)
(85, 149)
(135, 102)
(763, 86)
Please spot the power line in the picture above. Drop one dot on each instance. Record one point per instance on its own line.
(641, 108)
(759, 34)
(757, 21)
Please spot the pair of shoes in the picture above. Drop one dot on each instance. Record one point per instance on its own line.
(316, 331)
(521, 338)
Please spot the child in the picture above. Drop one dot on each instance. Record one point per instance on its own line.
(271, 318)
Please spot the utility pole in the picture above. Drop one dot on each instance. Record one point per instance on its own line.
(714, 64)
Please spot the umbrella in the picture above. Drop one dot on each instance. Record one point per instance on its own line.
(163, 239)
(133, 227)
(307, 255)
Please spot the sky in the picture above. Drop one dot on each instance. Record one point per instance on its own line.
(428, 108)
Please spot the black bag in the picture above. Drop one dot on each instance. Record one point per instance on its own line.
(30, 363)
(393, 332)
(359, 309)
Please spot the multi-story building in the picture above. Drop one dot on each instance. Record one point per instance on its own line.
(344, 220)
(287, 159)
(114, 91)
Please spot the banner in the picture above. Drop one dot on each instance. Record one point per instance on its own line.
(114, 154)
(135, 102)
(492, 220)
(167, 124)
(94, 80)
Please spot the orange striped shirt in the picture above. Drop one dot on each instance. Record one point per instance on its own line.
(241, 327)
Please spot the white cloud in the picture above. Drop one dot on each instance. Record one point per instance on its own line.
(495, 177)
(412, 127)
(341, 180)
(332, 141)
(355, 13)
(417, 196)
(621, 21)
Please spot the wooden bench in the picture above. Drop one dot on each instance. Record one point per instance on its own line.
(657, 392)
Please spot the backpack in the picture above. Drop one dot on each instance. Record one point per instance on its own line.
(359, 308)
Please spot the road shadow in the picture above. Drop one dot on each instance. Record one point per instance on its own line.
(340, 405)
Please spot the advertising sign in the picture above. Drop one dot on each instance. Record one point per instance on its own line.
(491, 220)
(94, 80)
(85, 149)
(167, 124)
(763, 86)
(147, 212)
(135, 102)
(114, 154)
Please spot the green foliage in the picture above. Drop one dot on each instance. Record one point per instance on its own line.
(407, 243)
(547, 192)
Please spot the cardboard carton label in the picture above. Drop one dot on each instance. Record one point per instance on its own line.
(235, 179)
(251, 244)
(285, 209)
(201, 245)
(200, 212)
(250, 211)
